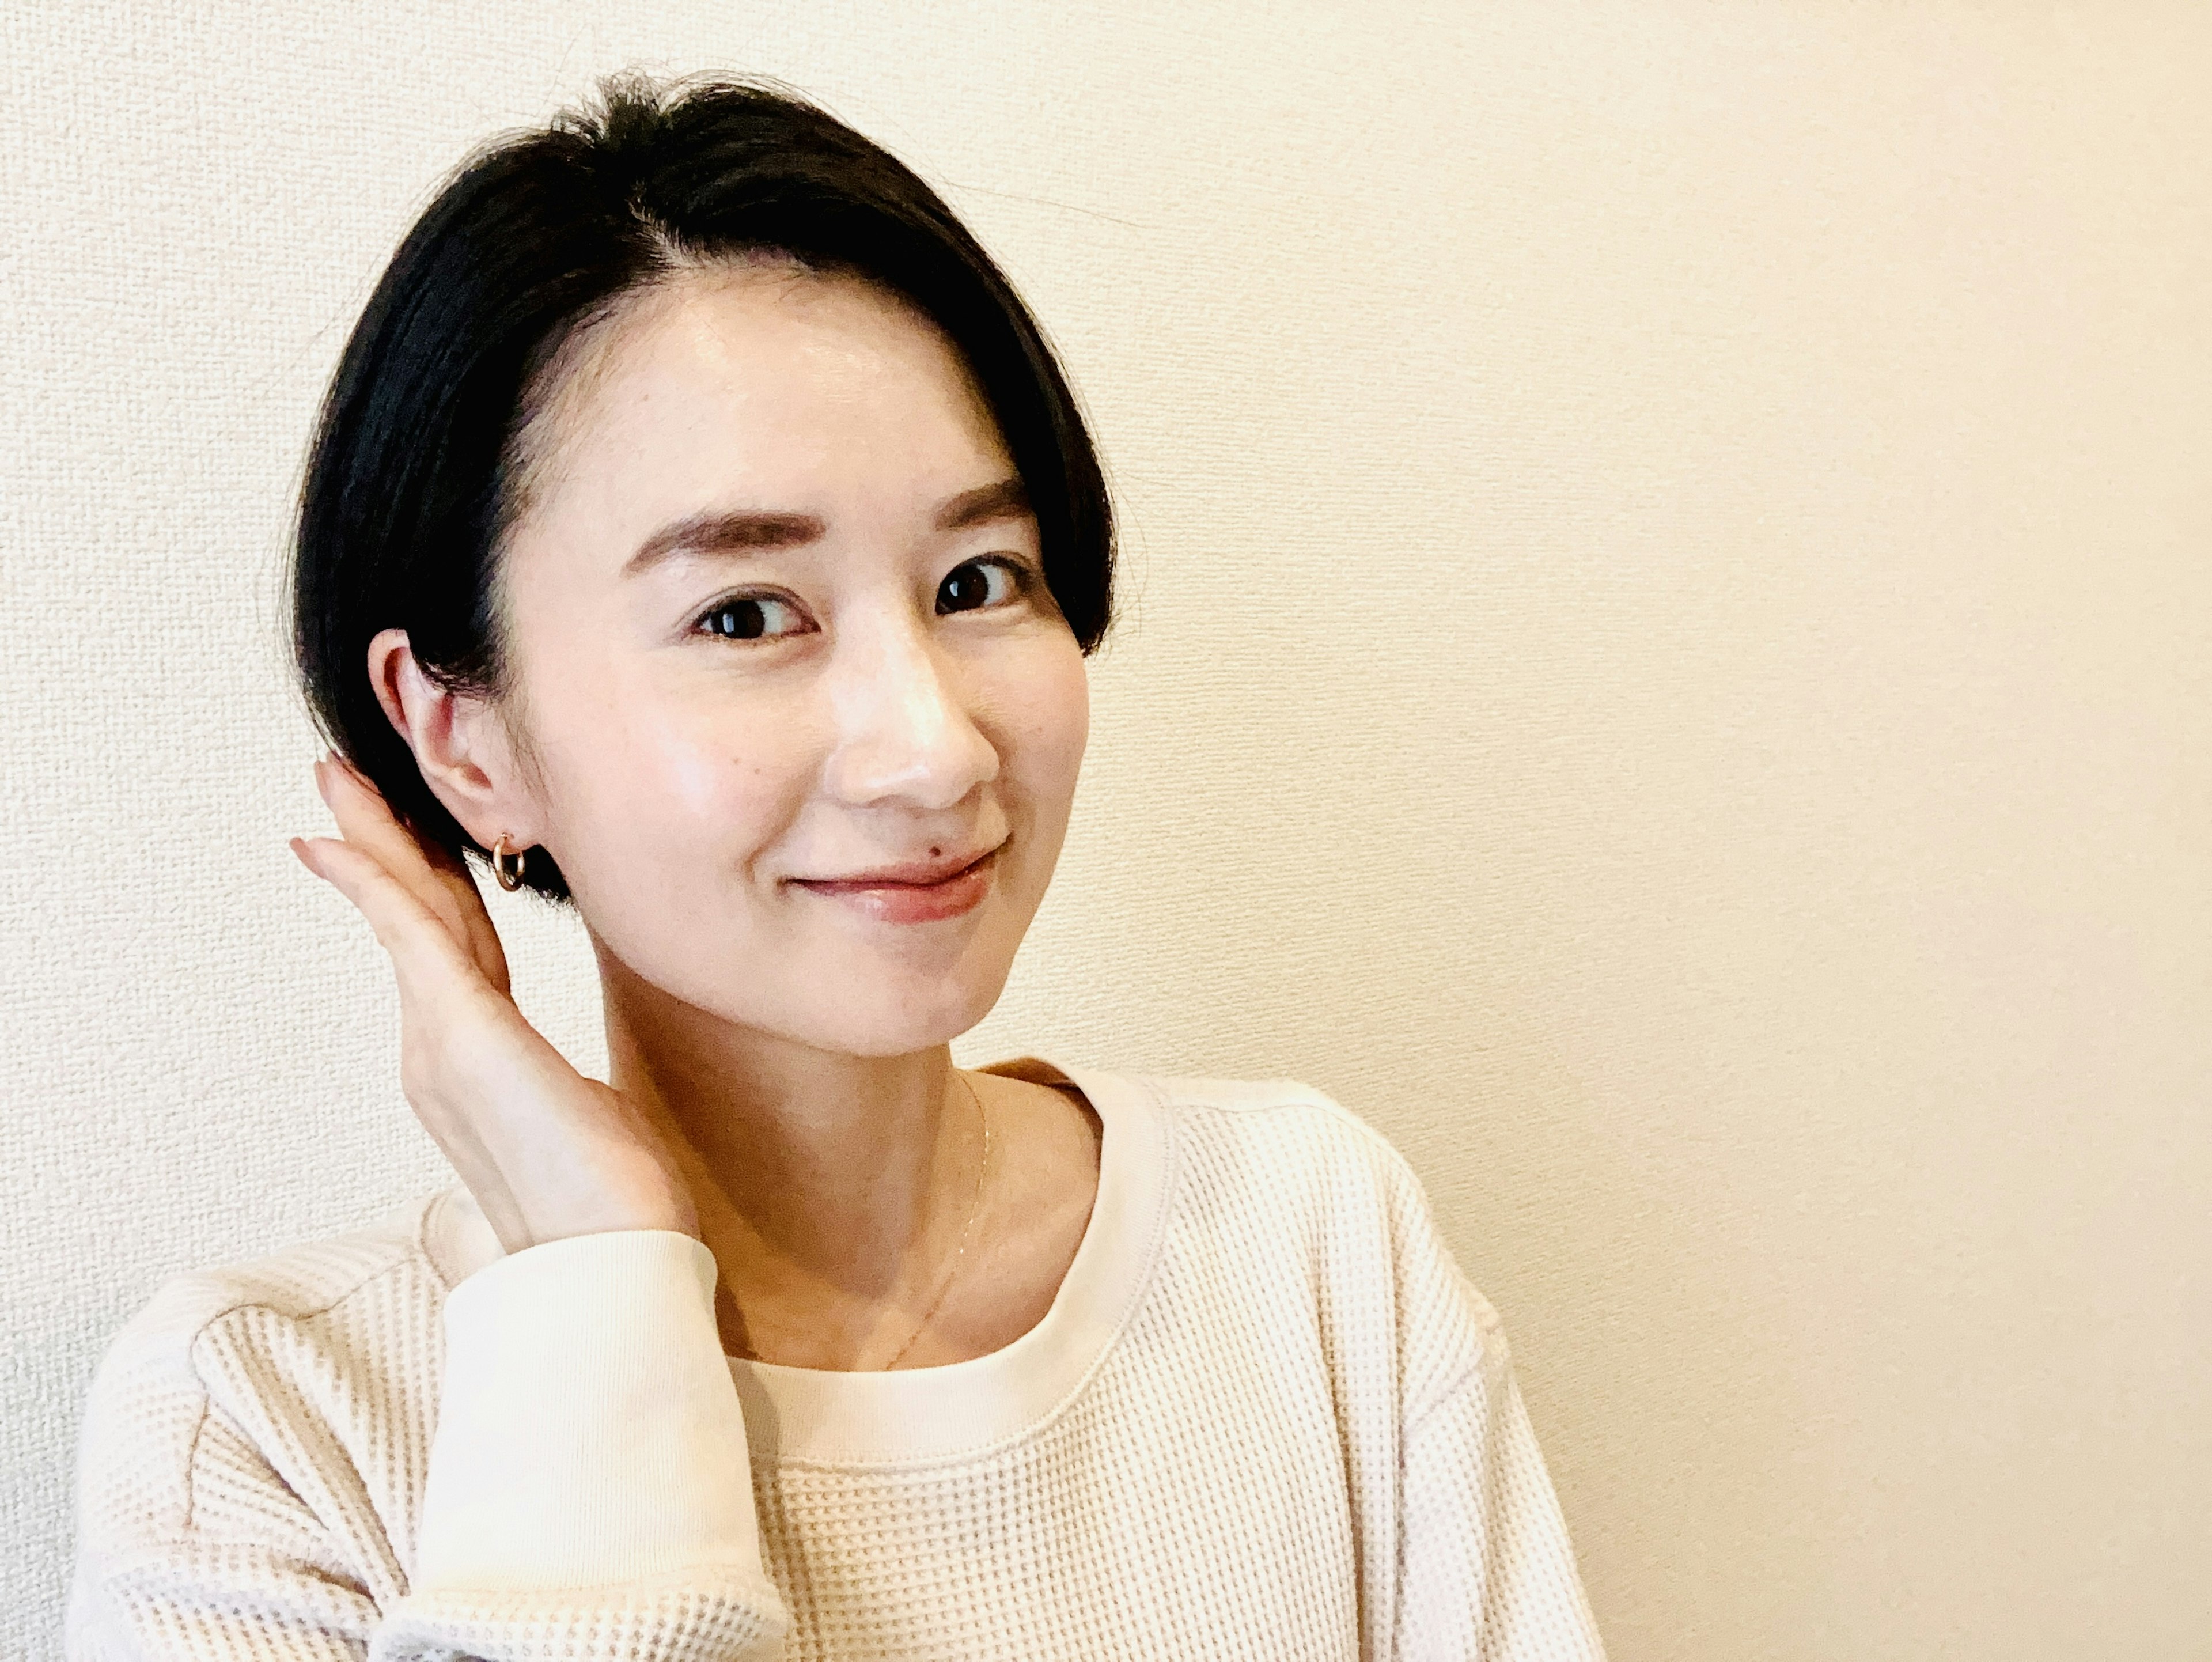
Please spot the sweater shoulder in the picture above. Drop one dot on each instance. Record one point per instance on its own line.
(1301, 1126)
(1285, 1157)
(220, 1355)
(295, 1283)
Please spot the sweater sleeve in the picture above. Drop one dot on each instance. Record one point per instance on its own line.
(1489, 1572)
(1485, 1569)
(588, 1496)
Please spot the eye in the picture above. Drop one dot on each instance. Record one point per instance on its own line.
(746, 618)
(966, 588)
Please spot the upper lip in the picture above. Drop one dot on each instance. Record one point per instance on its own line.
(911, 871)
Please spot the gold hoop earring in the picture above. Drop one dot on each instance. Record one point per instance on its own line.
(499, 864)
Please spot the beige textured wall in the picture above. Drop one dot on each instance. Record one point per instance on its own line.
(1666, 663)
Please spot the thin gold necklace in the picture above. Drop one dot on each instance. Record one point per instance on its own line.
(975, 1207)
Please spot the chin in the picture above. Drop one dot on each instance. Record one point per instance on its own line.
(889, 993)
(896, 1016)
(883, 997)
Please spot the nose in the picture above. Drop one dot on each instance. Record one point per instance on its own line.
(903, 729)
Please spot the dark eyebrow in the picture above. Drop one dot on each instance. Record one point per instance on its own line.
(739, 531)
(1004, 500)
(734, 533)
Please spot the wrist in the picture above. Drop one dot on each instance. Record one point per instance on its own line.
(614, 1212)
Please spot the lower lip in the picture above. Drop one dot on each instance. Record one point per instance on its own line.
(915, 902)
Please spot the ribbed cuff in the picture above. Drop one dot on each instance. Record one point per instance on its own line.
(589, 1431)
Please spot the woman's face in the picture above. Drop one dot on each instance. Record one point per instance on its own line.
(778, 618)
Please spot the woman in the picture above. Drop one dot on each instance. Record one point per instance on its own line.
(701, 529)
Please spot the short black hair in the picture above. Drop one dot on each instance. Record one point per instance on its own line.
(412, 476)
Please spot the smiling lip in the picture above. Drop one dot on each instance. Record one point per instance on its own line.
(914, 873)
(889, 896)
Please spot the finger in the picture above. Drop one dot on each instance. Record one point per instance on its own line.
(485, 1048)
(483, 934)
(365, 821)
(368, 824)
(420, 864)
(478, 933)
(432, 966)
(446, 1020)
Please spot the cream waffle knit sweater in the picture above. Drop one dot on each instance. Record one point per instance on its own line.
(1266, 1418)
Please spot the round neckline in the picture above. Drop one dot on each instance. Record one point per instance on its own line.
(957, 1409)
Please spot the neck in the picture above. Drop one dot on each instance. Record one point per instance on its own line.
(825, 1182)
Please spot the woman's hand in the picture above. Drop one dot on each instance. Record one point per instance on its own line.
(547, 1153)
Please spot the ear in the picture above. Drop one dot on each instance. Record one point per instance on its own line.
(461, 745)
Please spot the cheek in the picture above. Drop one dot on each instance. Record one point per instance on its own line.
(1052, 715)
(703, 783)
(711, 775)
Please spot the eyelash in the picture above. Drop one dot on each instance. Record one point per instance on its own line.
(1024, 576)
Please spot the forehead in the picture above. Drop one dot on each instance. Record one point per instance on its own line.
(757, 377)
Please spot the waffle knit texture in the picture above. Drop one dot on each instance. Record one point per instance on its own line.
(1266, 1418)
